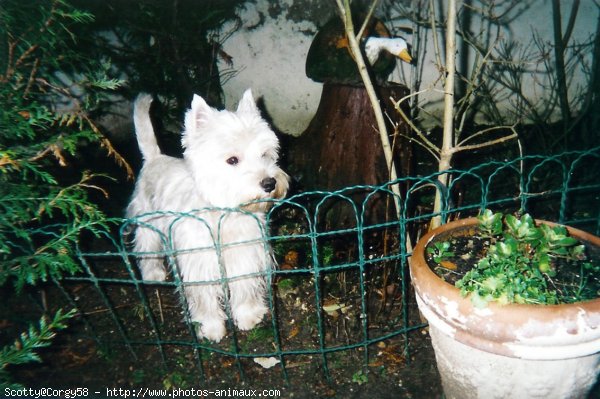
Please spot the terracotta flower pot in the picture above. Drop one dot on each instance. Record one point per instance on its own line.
(507, 351)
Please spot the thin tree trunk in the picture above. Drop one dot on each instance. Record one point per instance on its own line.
(448, 132)
(364, 73)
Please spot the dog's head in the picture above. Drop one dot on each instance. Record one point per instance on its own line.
(233, 155)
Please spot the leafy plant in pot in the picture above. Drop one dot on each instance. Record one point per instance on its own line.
(512, 306)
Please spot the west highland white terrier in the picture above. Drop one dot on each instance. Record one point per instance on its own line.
(207, 210)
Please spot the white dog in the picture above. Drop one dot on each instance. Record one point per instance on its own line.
(229, 161)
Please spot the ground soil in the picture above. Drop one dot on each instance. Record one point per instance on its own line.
(91, 353)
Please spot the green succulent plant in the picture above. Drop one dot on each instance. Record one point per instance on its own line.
(439, 251)
(522, 264)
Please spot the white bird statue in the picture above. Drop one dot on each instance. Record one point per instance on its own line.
(393, 45)
(329, 59)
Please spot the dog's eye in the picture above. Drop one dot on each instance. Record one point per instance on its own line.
(233, 161)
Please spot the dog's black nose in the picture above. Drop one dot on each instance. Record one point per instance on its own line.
(268, 184)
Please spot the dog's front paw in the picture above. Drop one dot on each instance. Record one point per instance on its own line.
(213, 330)
(247, 316)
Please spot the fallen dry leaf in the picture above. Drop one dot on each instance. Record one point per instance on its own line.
(448, 265)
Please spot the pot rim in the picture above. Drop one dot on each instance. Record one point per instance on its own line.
(518, 330)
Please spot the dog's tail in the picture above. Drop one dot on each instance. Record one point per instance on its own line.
(143, 127)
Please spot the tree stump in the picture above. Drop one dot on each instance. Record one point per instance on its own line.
(341, 148)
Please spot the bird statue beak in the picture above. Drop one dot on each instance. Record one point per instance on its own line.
(405, 56)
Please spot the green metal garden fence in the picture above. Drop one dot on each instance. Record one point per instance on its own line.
(342, 284)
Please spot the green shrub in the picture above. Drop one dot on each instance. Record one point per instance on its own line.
(47, 93)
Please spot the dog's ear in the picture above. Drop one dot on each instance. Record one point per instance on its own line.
(247, 103)
(197, 113)
(199, 106)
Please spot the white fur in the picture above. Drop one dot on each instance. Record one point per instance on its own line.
(230, 159)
